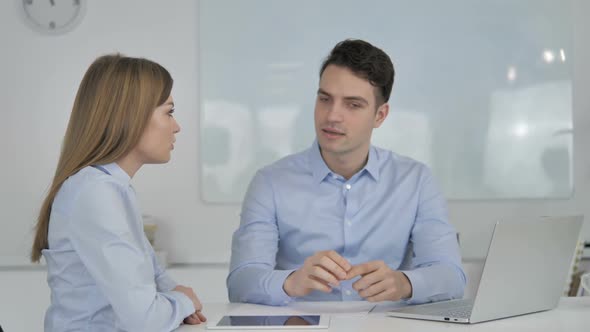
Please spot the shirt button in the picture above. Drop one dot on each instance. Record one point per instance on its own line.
(348, 222)
(348, 186)
(347, 292)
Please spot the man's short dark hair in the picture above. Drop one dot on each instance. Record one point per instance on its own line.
(365, 61)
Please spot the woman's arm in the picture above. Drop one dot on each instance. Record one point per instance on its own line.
(108, 242)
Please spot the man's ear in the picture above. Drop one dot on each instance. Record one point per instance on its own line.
(381, 115)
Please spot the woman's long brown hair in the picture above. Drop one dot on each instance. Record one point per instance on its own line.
(112, 108)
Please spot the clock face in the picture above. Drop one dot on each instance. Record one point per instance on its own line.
(53, 16)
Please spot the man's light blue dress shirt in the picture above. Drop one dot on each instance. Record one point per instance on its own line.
(102, 271)
(297, 206)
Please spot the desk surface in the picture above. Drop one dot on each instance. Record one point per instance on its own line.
(572, 315)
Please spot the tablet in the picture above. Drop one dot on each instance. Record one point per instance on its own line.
(270, 322)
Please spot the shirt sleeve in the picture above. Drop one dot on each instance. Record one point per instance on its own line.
(164, 282)
(102, 235)
(436, 272)
(252, 276)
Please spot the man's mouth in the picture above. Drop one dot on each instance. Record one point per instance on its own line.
(334, 132)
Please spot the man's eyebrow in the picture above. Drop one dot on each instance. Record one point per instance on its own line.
(357, 98)
(348, 98)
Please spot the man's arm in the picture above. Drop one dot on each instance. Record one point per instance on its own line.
(436, 272)
(252, 277)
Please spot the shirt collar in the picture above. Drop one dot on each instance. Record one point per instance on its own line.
(318, 166)
(372, 165)
(320, 170)
(117, 172)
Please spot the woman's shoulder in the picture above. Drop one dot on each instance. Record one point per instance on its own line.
(88, 183)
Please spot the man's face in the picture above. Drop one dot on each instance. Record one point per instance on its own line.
(346, 112)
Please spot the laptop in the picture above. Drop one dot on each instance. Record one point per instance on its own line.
(525, 271)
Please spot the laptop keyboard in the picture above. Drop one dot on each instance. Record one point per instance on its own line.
(456, 309)
(458, 312)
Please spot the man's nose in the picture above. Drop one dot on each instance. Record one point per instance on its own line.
(335, 113)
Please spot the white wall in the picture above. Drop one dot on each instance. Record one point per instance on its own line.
(38, 80)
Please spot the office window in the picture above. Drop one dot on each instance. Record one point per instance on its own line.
(483, 90)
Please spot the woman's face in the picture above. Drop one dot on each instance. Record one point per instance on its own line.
(158, 139)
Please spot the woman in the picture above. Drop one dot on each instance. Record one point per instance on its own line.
(102, 271)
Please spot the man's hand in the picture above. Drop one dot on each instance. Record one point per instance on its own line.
(319, 272)
(197, 317)
(380, 283)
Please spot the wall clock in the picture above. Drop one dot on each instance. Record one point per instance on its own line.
(52, 17)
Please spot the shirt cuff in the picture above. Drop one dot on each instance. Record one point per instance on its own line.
(417, 282)
(276, 282)
(185, 304)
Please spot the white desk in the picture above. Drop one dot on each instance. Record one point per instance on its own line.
(572, 315)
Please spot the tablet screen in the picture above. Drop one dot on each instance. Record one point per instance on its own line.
(269, 320)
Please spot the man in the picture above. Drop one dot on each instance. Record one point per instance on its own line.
(336, 221)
